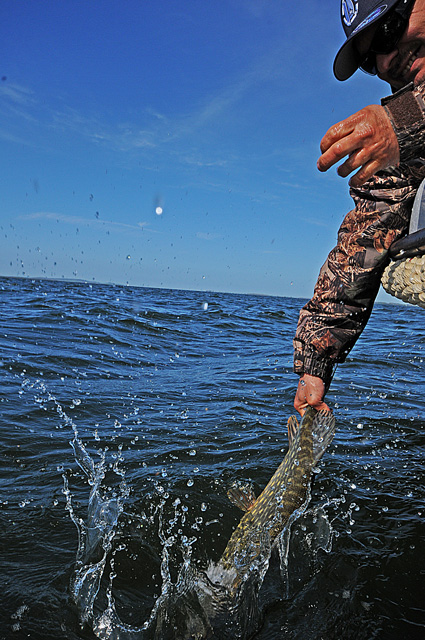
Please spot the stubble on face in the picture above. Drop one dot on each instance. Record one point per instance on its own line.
(407, 62)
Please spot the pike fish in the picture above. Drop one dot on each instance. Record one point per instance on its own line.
(286, 494)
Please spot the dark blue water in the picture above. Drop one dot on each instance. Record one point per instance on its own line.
(171, 396)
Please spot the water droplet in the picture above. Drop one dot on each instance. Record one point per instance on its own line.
(192, 452)
(190, 482)
(158, 211)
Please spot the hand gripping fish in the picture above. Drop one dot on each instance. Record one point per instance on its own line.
(286, 493)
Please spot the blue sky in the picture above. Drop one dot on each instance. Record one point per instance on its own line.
(211, 112)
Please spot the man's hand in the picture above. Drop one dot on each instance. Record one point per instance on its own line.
(369, 141)
(310, 392)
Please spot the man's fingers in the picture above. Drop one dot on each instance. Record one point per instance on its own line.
(365, 173)
(335, 153)
(338, 150)
(367, 138)
(336, 132)
(355, 160)
(301, 407)
(356, 141)
(322, 407)
(310, 392)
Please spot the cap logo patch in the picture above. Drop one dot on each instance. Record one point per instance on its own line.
(349, 10)
(373, 16)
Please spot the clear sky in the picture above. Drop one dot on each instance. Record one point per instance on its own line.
(172, 143)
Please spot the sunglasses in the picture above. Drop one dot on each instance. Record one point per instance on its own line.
(387, 35)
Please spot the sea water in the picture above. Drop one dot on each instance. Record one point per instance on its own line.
(127, 412)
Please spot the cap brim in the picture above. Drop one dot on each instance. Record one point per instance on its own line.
(347, 60)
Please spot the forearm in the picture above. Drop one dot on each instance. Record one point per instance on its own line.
(332, 321)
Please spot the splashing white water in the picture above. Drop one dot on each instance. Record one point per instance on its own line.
(191, 603)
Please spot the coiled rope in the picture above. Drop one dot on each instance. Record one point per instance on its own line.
(405, 279)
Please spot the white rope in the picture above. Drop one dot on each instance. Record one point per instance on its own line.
(405, 279)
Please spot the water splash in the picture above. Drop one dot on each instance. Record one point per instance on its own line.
(193, 603)
(96, 535)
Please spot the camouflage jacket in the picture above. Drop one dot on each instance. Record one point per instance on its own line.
(332, 321)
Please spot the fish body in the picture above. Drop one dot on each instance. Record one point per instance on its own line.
(207, 604)
(284, 495)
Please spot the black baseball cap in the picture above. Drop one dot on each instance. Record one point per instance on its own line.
(357, 15)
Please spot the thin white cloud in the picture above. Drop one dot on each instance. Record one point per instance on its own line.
(79, 220)
(260, 8)
(297, 186)
(153, 130)
(123, 136)
(199, 162)
(187, 137)
(10, 137)
(16, 94)
(207, 236)
(316, 223)
(20, 105)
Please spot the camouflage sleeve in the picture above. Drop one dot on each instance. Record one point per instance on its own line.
(331, 322)
(406, 109)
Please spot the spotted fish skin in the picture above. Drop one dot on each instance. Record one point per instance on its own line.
(286, 492)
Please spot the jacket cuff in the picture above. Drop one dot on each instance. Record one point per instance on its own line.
(309, 362)
(406, 110)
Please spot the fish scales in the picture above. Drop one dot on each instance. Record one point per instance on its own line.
(285, 493)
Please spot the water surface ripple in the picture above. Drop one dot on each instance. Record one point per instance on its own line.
(174, 395)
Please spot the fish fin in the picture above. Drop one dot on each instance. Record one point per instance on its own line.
(323, 430)
(242, 496)
(293, 427)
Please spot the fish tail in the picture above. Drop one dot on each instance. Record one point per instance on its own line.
(323, 430)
